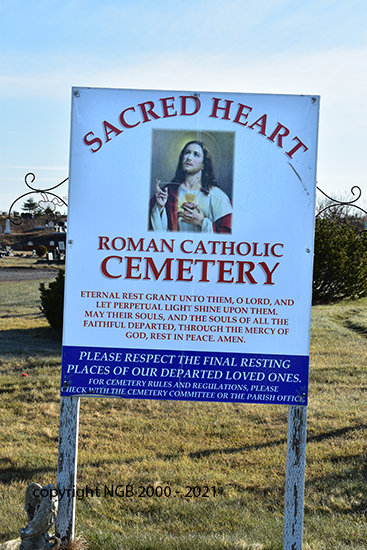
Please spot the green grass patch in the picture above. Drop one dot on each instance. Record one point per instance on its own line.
(238, 449)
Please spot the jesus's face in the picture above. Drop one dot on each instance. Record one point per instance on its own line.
(193, 159)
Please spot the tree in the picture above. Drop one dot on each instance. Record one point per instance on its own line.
(343, 208)
(30, 205)
(41, 250)
(340, 260)
(52, 301)
(48, 212)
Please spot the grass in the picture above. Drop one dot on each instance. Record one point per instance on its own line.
(25, 260)
(238, 449)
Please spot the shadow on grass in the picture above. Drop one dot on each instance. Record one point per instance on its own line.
(348, 486)
(311, 439)
(31, 341)
(335, 433)
(232, 450)
(356, 327)
(9, 475)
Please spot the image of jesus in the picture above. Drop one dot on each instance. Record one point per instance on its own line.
(192, 201)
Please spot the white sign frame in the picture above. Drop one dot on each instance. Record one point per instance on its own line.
(233, 296)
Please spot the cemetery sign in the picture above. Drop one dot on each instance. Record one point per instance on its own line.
(190, 246)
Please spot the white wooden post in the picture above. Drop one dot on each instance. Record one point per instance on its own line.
(294, 483)
(67, 467)
(295, 478)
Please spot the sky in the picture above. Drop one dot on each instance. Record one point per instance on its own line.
(316, 47)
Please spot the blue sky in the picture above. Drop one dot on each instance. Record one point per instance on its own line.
(265, 46)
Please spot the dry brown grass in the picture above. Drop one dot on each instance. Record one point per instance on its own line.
(239, 449)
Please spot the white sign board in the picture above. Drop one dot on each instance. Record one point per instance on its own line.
(190, 245)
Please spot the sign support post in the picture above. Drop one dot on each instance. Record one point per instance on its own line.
(295, 478)
(294, 484)
(67, 467)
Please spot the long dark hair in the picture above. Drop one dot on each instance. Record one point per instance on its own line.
(208, 177)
